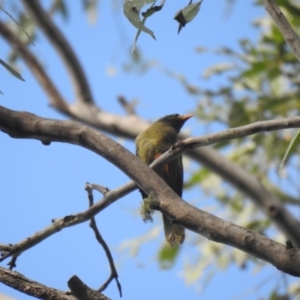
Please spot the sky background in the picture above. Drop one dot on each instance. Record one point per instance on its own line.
(39, 183)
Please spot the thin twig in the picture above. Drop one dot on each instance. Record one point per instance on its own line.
(128, 106)
(12, 263)
(239, 132)
(114, 274)
(103, 190)
(30, 39)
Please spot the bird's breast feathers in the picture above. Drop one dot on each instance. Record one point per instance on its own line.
(149, 148)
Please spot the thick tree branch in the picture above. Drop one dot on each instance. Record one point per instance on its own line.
(25, 125)
(284, 26)
(254, 189)
(32, 288)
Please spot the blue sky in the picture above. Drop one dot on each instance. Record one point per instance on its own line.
(41, 183)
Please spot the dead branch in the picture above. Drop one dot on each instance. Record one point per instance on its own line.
(128, 106)
(114, 274)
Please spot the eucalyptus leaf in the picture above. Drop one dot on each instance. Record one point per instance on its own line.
(20, 25)
(11, 70)
(153, 9)
(137, 35)
(149, 12)
(132, 12)
(187, 14)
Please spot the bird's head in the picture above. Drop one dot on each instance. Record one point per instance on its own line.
(176, 121)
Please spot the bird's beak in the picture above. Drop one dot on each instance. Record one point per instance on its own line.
(185, 118)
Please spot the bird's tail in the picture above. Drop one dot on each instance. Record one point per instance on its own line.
(173, 233)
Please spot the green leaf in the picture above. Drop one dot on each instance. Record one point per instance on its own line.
(132, 12)
(153, 9)
(149, 12)
(187, 14)
(11, 70)
(167, 256)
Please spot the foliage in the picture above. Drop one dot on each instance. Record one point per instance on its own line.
(261, 82)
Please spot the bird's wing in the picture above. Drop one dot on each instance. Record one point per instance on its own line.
(145, 150)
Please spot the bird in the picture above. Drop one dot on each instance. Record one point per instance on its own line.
(150, 144)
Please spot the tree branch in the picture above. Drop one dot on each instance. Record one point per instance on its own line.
(284, 26)
(80, 84)
(240, 132)
(25, 125)
(32, 288)
(253, 188)
(67, 221)
(128, 106)
(114, 274)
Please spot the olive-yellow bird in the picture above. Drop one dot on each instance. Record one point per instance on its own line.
(150, 144)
